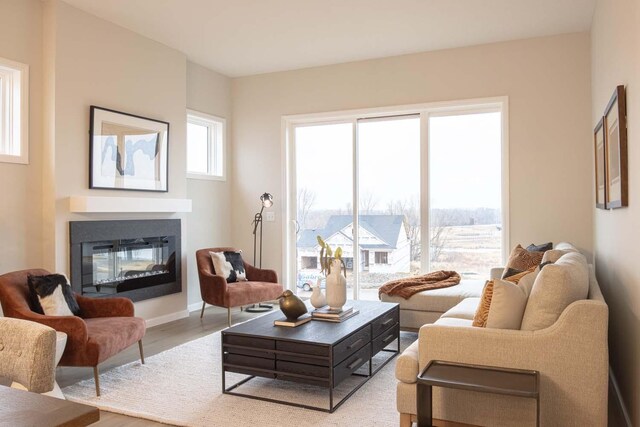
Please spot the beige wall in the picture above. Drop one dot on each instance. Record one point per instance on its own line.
(99, 63)
(547, 81)
(21, 194)
(208, 224)
(615, 45)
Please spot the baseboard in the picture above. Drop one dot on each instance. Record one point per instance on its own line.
(617, 396)
(194, 307)
(167, 318)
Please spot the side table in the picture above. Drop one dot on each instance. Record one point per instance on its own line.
(485, 379)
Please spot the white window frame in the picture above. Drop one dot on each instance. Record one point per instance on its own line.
(468, 106)
(14, 112)
(216, 145)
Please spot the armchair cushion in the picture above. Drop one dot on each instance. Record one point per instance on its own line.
(229, 265)
(51, 294)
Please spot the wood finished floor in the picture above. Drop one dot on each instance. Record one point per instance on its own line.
(163, 337)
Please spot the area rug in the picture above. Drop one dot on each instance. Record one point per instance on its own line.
(183, 386)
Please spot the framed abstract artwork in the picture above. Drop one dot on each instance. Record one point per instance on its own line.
(615, 128)
(127, 152)
(601, 180)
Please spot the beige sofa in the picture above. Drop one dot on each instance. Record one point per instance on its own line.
(571, 356)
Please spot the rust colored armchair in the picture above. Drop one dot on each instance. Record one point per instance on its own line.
(107, 325)
(262, 285)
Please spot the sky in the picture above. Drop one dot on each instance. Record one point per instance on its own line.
(464, 162)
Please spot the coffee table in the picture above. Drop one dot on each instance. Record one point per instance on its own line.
(318, 353)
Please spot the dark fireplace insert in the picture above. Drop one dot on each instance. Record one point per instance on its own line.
(138, 259)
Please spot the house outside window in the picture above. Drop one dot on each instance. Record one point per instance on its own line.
(382, 257)
(14, 112)
(205, 146)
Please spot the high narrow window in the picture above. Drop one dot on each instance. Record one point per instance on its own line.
(14, 112)
(205, 146)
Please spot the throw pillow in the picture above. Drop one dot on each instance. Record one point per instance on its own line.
(229, 265)
(520, 260)
(509, 301)
(52, 295)
(557, 286)
(482, 312)
(543, 247)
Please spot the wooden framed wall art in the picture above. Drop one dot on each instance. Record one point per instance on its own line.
(615, 129)
(601, 180)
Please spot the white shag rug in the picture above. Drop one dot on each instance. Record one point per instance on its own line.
(183, 386)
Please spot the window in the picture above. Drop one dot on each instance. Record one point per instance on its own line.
(205, 146)
(14, 112)
(382, 258)
(310, 262)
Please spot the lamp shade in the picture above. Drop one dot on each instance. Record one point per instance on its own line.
(267, 200)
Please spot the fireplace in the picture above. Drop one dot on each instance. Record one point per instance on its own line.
(137, 259)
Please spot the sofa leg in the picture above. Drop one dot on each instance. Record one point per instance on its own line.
(96, 378)
(229, 316)
(405, 420)
(141, 351)
(202, 311)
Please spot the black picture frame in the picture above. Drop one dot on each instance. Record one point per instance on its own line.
(127, 152)
(615, 129)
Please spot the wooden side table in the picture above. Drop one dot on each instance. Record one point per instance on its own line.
(485, 379)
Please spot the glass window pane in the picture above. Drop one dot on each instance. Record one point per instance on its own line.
(324, 171)
(465, 192)
(389, 181)
(197, 148)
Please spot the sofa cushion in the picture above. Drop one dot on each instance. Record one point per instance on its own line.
(520, 260)
(453, 321)
(509, 302)
(438, 300)
(557, 286)
(407, 364)
(465, 309)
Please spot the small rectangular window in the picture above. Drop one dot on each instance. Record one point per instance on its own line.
(14, 112)
(382, 258)
(205, 146)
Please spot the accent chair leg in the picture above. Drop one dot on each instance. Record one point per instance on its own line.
(141, 351)
(96, 378)
(229, 316)
(202, 311)
(405, 420)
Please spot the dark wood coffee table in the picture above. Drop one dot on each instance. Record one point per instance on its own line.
(319, 353)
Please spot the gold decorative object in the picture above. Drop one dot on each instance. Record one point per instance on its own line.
(291, 305)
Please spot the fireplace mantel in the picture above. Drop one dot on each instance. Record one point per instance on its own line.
(95, 204)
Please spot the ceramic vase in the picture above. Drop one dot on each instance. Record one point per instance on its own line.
(318, 299)
(336, 286)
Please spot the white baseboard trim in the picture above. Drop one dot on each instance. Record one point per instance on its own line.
(194, 307)
(167, 318)
(618, 398)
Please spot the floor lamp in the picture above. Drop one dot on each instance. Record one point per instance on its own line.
(267, 201)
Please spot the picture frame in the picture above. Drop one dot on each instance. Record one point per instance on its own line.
(615, 127)
(127, 152)
(600, 165)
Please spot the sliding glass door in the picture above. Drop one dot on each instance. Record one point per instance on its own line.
(371, 185)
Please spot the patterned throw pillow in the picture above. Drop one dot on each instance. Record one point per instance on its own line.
(229, 265)
(482, 312)
(543, 247)
(52, 295)
(520, 260)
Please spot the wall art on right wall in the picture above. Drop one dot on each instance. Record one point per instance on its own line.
(615, 126)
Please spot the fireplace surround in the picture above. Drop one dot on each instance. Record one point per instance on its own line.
(137, 259)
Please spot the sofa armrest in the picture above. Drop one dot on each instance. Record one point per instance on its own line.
(255, 274)
(407, 364)
(105, 307)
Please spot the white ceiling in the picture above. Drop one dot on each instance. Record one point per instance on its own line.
(244, 37)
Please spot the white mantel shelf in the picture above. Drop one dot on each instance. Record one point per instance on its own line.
(89, 204)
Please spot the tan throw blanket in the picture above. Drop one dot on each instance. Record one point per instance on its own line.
(409, 286)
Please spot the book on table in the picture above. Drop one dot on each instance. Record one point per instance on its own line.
(292, 323)
(338, 319)
(332, 313)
